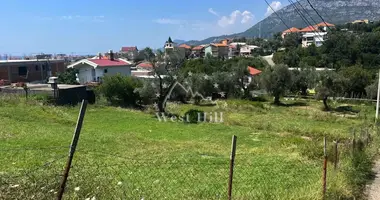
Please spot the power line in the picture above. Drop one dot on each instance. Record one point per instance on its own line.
(277, 15)
(311, 5)
(315, 31)
(307, 22)
(303, 8)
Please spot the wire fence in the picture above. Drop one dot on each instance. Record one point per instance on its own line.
(104, 175)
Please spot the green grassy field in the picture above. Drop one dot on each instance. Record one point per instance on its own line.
(129, 154)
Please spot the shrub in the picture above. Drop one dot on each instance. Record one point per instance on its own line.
(120, 90)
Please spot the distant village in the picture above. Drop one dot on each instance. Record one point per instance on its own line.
(38, 68)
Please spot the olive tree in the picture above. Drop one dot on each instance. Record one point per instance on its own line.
(277, 80)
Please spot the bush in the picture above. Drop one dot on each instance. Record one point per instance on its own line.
(120, 90)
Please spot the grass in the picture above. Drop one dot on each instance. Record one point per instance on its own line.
(128, 154)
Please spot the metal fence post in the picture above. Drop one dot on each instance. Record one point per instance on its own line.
(232, 161)
(73, 146)
(324, 168)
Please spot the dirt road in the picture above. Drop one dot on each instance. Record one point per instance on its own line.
(374, 188)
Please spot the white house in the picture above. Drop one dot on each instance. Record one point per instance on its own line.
(92, 70)
(316, 38)
(246, 50)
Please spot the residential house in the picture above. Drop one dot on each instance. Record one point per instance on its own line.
(94, 69)
(198, 51)
(324, 26)
(316, 34)
(361, 21)
(186, 48)
(30, 70)
(143, 70)
(129, 53)
(252, 72)
(289, 31)
(313, 38)
(233, 51)
(247, 50)
(219, 50)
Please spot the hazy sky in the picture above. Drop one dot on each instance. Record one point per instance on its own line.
(83, 26)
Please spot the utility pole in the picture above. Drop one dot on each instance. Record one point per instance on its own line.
(378, 99)
(259, 29)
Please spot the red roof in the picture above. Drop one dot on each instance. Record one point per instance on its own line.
(198, 48)
(323, 24)
(125, 49)
(253, 71)
(292, 30)
(108, 63)
(185, 46)
(146, 65)
(309, 29)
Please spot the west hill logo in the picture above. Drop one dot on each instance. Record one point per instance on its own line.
(201, 116)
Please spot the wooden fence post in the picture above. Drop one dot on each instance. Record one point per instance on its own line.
(324, 167)
(353, 142)
(232, 161)
(336, 143)
(73, 146)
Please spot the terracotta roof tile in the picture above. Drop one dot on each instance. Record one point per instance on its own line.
(197, 48)
(108, 63)
(125, 49)
(185, 46)
(292, 30)
(309, 29)
(323, 24)
(145, 65)
(253, 71)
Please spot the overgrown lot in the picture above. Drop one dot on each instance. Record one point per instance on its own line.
(129, 154)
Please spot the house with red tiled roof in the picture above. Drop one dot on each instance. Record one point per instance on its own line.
(186, 48)
(252, 73)
(129, 53)
(94, 69)
(219, 50)
(198, 51)
(289, 31)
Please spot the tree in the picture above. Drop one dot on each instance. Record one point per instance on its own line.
(357, 79)
(166, 71)
(292, 40)
(277, 80)
(304, 78)
(120, 90)
(68, 77)
(330, 84)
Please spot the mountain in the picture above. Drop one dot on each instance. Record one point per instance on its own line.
(179, 41)
(332, 11)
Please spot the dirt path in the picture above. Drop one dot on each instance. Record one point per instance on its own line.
(374, 188)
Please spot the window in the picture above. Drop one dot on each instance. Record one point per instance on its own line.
(22, 71)
(105, 71)
(43, 67)
(37, 68)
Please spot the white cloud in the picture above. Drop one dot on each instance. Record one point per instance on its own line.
(243, 17)
(212, 11)
(276, 5)
(100, 18)
(168, 21)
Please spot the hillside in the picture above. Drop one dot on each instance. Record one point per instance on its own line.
(333, 11)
